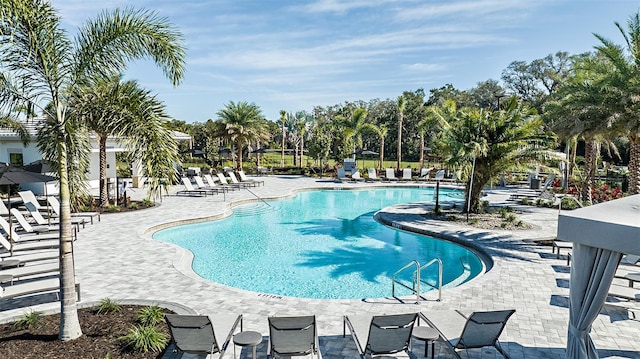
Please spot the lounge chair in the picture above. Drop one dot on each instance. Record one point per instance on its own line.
(342, 175)
(29, 197)
(356, 176)
(189, 190)
(628, 293)
(386, 334)
(49, 268)
(439, 175)
(234, 180)
(424, 174)
(212, 183)
(371, 172)
(28, 228)
(293, 336)
(34, 287)
(210, 189)
(406, 174)
(194, 334)
(225, 182)
(40, 220)
(244, 178)
(29, 256)
(55, 207)
(478, 330)
(390, 175)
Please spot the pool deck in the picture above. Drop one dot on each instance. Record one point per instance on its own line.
(116, 258)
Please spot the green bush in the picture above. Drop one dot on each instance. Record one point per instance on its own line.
(473, 221)
(510, 217)
(29, 321)
(113, 208)
(144, 338)
(133, 205)
(147, 203)
(151, 315)
(108, 305)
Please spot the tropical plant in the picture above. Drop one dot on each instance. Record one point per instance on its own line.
(29, 321)
(353, 127)
(144, 338)
(108, 305)
(241, 123)
(496, 140)
(42, 65)
(109, 106)
(283, 120)
(151, 315)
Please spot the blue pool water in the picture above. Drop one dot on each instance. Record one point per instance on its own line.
(320, 244)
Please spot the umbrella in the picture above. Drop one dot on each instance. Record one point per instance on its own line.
(15, 175)
(39, 166)
(365, 153)
(195, 152)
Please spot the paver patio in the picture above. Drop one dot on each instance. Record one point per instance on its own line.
(117, 258)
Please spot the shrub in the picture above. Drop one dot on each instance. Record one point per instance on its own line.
(144, 338)
(113, 208)
(84, 208)
(147, 203)
(29, 321)
(133, 206)
(473, 221)
(151, 315)
(108, 305)
(503, 225)
(510, 217)
(525, 201)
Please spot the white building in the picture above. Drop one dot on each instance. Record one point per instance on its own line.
(13, 151)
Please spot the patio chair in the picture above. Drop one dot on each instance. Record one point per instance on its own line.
(342, 175)
(386, 334)
(371, 172)
(293, 336)
(225, 182)
(48, 284)
(234, 180)
(244, 178)
(29, 197)
(189, 190)
(356, 176)
(478, 330)
(40, 220)
(424, 174)
(406, 174)
(194, 334)
(212, 183)
(28, 228)
(390, 175)
(210, 189)
(55, 207)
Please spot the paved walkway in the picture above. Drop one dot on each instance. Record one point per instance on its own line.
(116, 258)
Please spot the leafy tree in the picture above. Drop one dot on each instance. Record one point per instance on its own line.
(109, 106)
(241, 123)
(401, 108)
(498, 140)
(283, 120)
(41, 65)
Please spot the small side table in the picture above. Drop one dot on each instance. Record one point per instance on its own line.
(245, 339)
(426, 334)
(10, 263)
(6, 278)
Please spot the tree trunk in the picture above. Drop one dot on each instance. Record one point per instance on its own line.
(400, 119)
(104, 190)
(381, 154)
(589, 170)
(69, 323)
(239, 155)
(301, 150)
(282, 144)
(634, 164)
(421, 150)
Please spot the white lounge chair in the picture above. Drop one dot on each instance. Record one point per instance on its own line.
(225, 182)
(212, 183)
(478, 330)
(424, 174)
(189, 190)
(371, 173)
(28, 228)
(29, 197)
(49, 268)
(406, 174)
(390, 175)
(210, 189)
(234, 180)
(356, 176)
(40, 220)
(55, 207)
(244, 178)
(33, 287)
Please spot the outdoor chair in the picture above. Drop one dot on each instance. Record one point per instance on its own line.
(406, 174)
(342, 175)
(371, 172)
(386, 334)
(212, 183)
(55, 207)
(225, 182)
(194, 334)
(478, 330)
(234, 180)
(424, 174)
(40, 220)
(189, 190)
(390, 175)
(293, 336)
(244, 178)
(356, 176)
(29, 197)
(210, 189)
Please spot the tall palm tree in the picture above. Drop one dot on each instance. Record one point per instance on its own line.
(283, 120)
(381, 131)
(109, 106)
(354, 126)
(622, 82)
(39, 56)
(242, 124)
(401, 107)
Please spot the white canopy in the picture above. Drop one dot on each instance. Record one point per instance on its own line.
(613, 225)
(601, 233)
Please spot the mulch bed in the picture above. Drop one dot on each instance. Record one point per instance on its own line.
(100, 339)
(491, 220)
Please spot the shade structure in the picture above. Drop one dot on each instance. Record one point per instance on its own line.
(601, 234)
(39, 166)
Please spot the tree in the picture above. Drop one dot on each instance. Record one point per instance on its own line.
(41, 65)
(242, 123)
(353, 127)
(401, 107)
(498, 140)
(622, 76)
(110, 107)
(283, 120)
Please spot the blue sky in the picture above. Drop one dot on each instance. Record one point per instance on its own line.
(294, 55)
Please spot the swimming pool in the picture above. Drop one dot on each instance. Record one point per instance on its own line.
(320, 244)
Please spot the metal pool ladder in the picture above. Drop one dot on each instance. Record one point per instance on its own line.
(415, 286)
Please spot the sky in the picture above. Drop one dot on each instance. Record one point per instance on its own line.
(295, 55)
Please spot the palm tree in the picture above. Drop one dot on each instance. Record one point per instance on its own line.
(242, 124)
(622, 83)
(40, 57)
(401, 107)
(110, 107)
(498, 140)
(283, 120)
(381, 131)
(354, 126)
